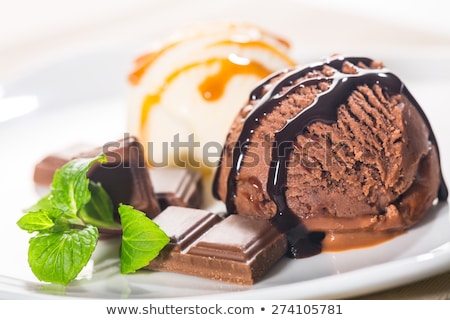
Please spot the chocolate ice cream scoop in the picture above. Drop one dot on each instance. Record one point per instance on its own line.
(336, 153)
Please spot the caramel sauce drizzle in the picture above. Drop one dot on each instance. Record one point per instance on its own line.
(212, 87)
(145, 61)
(142, 63)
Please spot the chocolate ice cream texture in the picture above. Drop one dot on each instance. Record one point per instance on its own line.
(336, 154)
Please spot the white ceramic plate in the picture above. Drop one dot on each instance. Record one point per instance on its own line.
(82, 99)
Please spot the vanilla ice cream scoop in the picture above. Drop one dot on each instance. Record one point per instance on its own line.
(185, 93)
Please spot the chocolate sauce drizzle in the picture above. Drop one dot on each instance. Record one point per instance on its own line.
(303, 243)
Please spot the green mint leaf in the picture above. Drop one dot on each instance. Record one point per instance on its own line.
(99, 211)
(142, 239)
(35, 221)
(45, 205)
(70, 186)
(59, 257)
(66, 223)
(64, 243)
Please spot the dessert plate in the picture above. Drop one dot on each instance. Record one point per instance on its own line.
(83, 99)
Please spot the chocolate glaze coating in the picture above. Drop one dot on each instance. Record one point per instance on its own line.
(352, 110)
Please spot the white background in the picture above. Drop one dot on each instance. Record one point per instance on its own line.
(33, 32)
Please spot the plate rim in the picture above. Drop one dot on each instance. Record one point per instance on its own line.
(433, 265)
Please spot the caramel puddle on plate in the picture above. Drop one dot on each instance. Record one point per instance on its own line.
(334, 242)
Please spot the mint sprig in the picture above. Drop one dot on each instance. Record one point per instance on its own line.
(60, 256)
(99, 210)
(142, 239)
(36, 221)
(70, 186)
(64, 243)
(65, 225)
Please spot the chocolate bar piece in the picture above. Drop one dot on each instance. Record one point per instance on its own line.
(124, 176)
(172, 186)
(234, 249)
(45, 169)
(177, 187)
